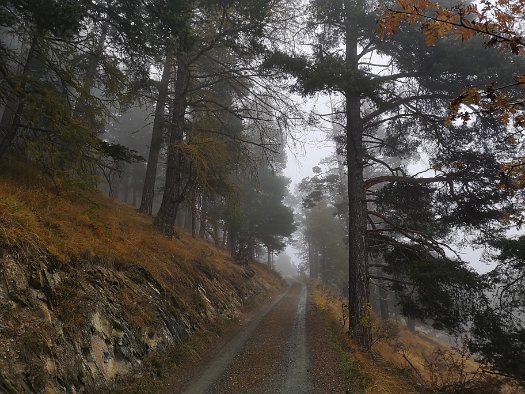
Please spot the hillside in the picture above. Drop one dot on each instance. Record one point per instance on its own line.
(88, 289)
(402, 361)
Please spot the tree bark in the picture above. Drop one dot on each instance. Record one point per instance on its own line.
(358, 289)
(216, 239)
(203, 220)
(173, 192)
(148, 191)
(383, 303)
(82, 105)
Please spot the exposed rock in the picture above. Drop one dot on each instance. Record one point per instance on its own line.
(77, 327)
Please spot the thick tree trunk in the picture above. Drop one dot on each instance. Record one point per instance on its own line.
(359, 306)
(148, 191)
(165, 220)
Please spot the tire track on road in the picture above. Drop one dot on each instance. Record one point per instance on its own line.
(271, 355)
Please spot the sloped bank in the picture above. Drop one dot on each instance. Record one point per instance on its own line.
(76, 329)
(88, 289)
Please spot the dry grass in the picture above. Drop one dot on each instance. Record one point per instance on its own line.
(83, 233)
(378, 377)
(406, 362)
(439, 366)
(78, 225)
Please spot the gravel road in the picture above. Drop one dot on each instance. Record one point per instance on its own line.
(277, 352)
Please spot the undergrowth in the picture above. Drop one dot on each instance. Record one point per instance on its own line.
(362, 374)
(406, 362)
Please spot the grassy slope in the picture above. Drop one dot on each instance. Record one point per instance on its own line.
(405, 362)
(361, 373)
(74, 225)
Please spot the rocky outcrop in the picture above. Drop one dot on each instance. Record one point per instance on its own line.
(77, 327)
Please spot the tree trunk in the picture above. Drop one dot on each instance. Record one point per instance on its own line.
(232, 241)
(188, 218)
(203, 220)
(165, 220)
(82, 105)
(383, 303)
(322, 265)
(312, 260)
(148, 191)
(194, 215)
(216, 233)
(10, 122)
(112, 192)
(224, 237)
(358, 291)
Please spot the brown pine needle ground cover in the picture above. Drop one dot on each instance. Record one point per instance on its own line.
(406, 362)
(373, 377)
(84, 225)
(133, 275)
(78, 226)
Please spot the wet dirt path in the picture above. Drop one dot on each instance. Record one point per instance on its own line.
(277, 352)
(269, 356)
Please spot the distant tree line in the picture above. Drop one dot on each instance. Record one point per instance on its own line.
(161, 103)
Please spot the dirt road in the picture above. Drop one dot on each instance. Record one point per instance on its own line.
(283, 349)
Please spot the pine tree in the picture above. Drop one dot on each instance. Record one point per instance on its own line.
(396, 106)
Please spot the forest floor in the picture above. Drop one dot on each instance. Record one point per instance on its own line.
(284, 348)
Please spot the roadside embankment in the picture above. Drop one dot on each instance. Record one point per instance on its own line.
(88, 290)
